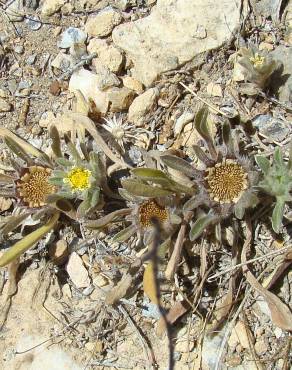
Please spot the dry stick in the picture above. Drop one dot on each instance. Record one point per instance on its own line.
(144, 344)
(213, 277)
(176, 254)
(155, 245)
(211, 106)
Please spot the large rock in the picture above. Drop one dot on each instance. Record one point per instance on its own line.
(88, 84)
(174, 33)
(281, 81)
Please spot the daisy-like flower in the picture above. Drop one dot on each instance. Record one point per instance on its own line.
(227, 183)
(33, 187)
(257, 66)
(144, 213)
(123, 132)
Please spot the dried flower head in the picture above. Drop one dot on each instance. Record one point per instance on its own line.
(150, 210)
(33, 186)
(78, 178)
(123, 132)
(226, 181)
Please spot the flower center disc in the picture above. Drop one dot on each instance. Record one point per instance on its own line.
(226, 181)
(33, 187)
(150, 210)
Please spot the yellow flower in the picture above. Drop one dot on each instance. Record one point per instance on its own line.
(78, 179)
(33, 186)
(150, 210)
(257, 60)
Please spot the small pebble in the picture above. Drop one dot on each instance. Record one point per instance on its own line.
(33, 22)
(19, 49)
(55, 88)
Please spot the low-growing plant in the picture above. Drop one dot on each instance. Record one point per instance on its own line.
(276, 181)
(225, 186)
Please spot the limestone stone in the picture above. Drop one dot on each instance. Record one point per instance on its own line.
(175, 32)
(142, 105)
(77, 272)
(50, 7)
(5, 106)
(120, 98)
(103, 23)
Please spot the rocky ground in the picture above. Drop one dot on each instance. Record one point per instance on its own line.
(144, 67)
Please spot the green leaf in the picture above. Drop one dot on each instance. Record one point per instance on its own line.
(200, 225)
(64, 162)
(137, 188)
(150, 174)
(56, 181)
(56, 142)
(263, 163)
(227, 138)
(72, 149)
(84, 207)
(277, 215)
(201, 124)
(202, 156)
(95, 197)
(28, 241)
(125, 234)
(179, 164)
(289, 164)
(278, 158)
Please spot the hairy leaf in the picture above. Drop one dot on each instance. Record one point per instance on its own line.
(137, 188)
(277, 215)
(263, 163)
(200, 225)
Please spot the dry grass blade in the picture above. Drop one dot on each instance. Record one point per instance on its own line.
(120, 290)
(28, 148)
(28, 241)
(280, 313)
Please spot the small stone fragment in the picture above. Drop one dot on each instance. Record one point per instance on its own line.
(266, 46)
(19, 49)
(132, 84)
(59, 252)
(55, 88)
(108, 55)
(15, 11)
(142, 105)
(5, 204)
(182, 120)
(52, 6)
(71, 36)
(240, 334)
(100, 281)
(5, 106)
(33, 22)
(261, 346)
(47, 119)
(103, 23)
(3, 93)
(77, 272)
(214, 89)
(120, 98)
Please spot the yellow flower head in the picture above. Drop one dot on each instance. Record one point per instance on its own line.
(78, 179)
(257, 60)
(226, 181)
(149, 210)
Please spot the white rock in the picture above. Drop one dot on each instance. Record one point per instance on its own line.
(72, 36)
(103, 23)
(52, 6)
(133, 84)
(15, 11)
(261, 346)
(120, 98)
(3, 93)
(174, 33)
(214, 89)
(87, 83)
(5, 106)
(182, 120)
(142, 105)
(77, 272)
